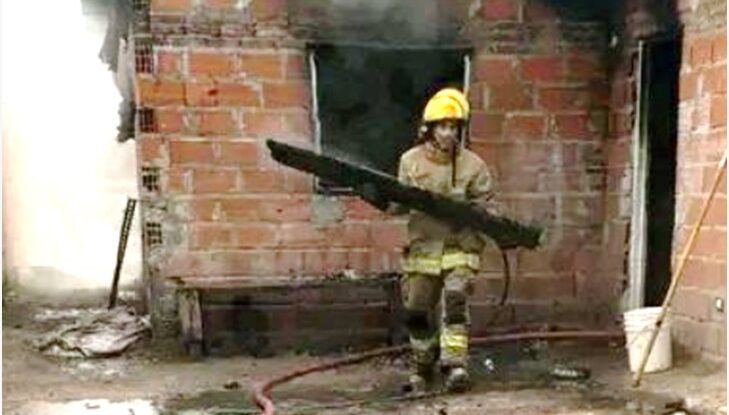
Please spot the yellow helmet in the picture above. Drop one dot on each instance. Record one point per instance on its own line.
(458, 96)
(447, 104)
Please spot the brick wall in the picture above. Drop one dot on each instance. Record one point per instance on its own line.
(698, 326)
(540, 106)
(701, 142)
(221, 76)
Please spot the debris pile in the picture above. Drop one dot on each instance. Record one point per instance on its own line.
(94, 333)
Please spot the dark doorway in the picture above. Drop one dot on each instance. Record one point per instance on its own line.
(661, 119)
(370, 99)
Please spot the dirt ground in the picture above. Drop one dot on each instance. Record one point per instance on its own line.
(512, 379)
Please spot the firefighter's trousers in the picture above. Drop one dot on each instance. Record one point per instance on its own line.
(438, 330)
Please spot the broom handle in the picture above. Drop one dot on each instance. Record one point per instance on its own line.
(679, 272)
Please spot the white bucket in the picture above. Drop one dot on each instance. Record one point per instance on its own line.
(639, 324)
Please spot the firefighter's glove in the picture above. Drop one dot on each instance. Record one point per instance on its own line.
(369, 193)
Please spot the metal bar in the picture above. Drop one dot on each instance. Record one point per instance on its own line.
(121, 250)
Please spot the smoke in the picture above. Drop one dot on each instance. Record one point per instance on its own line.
(387, 21)
(65, 178)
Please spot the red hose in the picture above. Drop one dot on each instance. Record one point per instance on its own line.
(261, 391)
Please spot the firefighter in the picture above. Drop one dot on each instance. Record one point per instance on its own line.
(439, 261)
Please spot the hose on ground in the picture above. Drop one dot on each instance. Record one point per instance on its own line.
(261, 391)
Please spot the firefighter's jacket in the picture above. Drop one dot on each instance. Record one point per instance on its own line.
(433, 245)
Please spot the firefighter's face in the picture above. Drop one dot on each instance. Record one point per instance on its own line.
(446, 135)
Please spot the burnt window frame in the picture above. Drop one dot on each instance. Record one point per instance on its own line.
(322, 188)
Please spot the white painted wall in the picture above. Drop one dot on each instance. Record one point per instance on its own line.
(65, 177)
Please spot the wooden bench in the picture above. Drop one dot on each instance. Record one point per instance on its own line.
(234, 315)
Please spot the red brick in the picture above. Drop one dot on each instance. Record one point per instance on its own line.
(263, 125)
(383, 261)
(528, 155)
(688, 86)
(692, 208)
(716, 216)
(239, 153)
(262, 65)
(183, 152)
(335, 261)
(689, 179)
(495, 70)
(713, 146)
(302, 235)
(203, 209)
(267, 9)
(500, 9)
(691, 303)
(486, 125)
(255, 236)
(518, 183)
(295, 66)
(541, 209)
(209, 236)
(717, 116)
(211, 64)
(701, 112)
(708, 175)
(599, 93)
(718, 47)
(542, 288)
(388, 235)
(559, 99)
(619, 94)
(298, 124)
(150, 148)
(704, 275)
(173, 181)
(289, 262)
(528, 126)
(572, 126)
(202, 94)
(261, 181)
(536, 10)
(358, 260)
(240, 210)
(289, 94)
(221, 5)
(159, 92)
(169, 121)
(349, 235)
(356, 209)
(220, 264)
(714, 79)
(475, 96)
(583, 67)
(239, 94)
(214, 181)
(700, 52)
(219, 123)
(168, 62)
(566, 181)
(287, 210)
(621, 124)
(711, 243)
(487, 151)
(169, 6)
(510, 97)
(296, 182)
(581, 210)
(697, 337)
(542, 68)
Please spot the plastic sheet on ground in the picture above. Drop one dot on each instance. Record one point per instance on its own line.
(95, 333)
